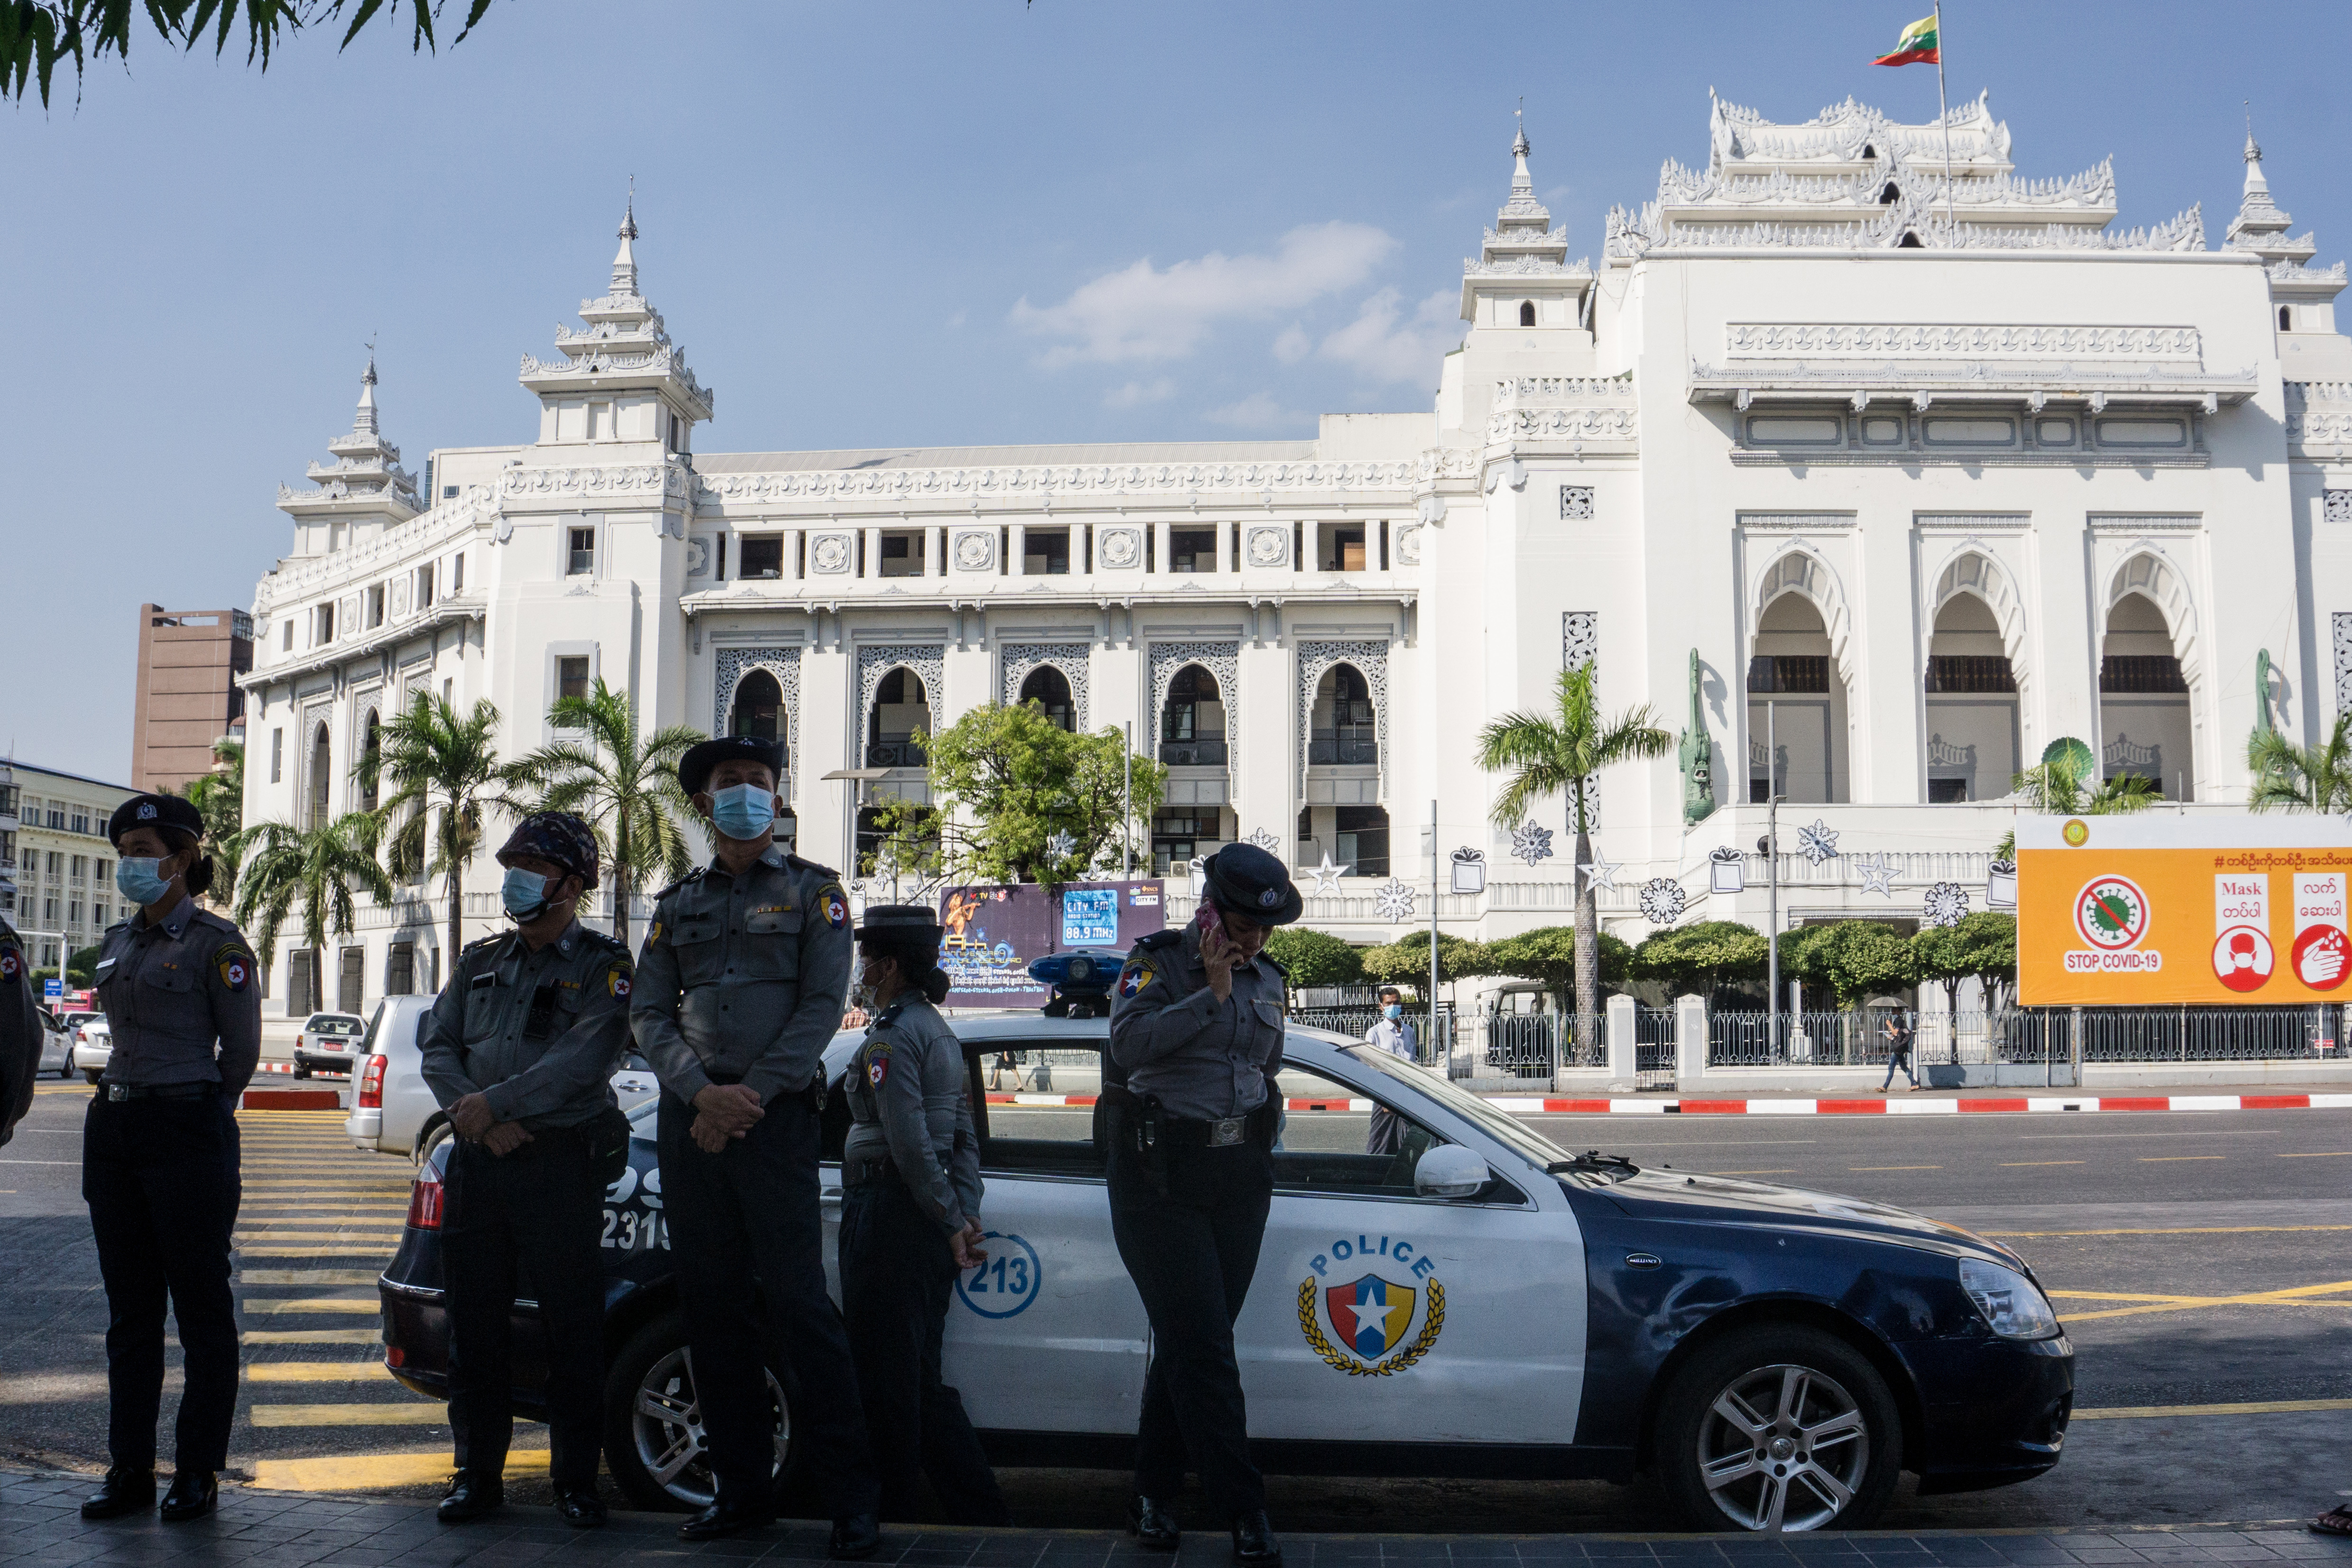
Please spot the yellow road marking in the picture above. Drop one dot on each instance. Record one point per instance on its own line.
(314, 1304)
(2265, 1407)
(314, 1371)
(358, 1249)
(435, 1414)
(2179, 1230)
(307, 1276)
(2330, 1154)
(2152, 1302)
(313, 1336)
(362, 1472)
(2176, 1159)
(2011, 1162)
(1894, 1167)
(1789, 1170)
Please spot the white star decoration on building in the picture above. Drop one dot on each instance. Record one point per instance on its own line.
(1817, 843)
(1393, 899)
(1947, 905)
(1531, 843)
(1601, 872)
(1326, 875)
(1662, 901)
(1877, 873)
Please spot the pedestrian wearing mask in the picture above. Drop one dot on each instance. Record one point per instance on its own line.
(520, 1049)
(1191, 1110)
(740, 988)
(22, 1033)
(159, 1161)
(911, 1220)
(1389, 1032)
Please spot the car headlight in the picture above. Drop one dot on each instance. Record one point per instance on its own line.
(2013, 1305)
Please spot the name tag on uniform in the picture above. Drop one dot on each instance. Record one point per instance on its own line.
(481, 980)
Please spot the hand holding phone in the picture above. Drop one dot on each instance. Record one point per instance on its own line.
(1219, 953)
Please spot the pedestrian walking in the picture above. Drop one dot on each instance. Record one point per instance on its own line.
(1390, 1032)
(520, 1051)
(1191, 1112)
(740, 986)
(159, 1156)
(21, 1032)
(1898, 1035)
(911, 1220)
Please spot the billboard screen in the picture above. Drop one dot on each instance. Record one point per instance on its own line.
(994, 933)
(2219, 908)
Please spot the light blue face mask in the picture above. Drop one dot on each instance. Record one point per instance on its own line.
(743, 811)
(524, 893)
(135, 878)
(1392, 1010)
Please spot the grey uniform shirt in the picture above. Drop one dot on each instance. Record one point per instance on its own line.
(911, 1098)
(172, 992)
(21, 1032)
(742, 979)
(539, 1035)
(1204, 1058)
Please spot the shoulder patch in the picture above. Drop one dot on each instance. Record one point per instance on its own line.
(1137, 975)
(236, 966)
(877, 1062)
(833, 903)
(12, 964)
(616, 980)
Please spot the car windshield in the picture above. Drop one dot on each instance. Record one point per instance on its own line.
(1502, 1126)
(374, 1029)
(334, 1024)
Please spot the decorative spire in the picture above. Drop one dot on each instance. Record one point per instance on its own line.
(624, 261)
(1522, 208)
(364, 424)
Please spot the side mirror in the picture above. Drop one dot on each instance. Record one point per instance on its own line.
(1450, 1171)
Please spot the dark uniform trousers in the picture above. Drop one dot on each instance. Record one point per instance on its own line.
(897, 1273)
(161, 1179)
(1191, 1252)
(540, 1208)
(745, 1231)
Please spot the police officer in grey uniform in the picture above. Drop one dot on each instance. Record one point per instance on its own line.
(1196, 1036)
(159, 1154)
(520, 1051)
(739, 987)
(911, 1220)
(21, 1032)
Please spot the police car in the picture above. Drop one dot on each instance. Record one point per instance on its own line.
(1441, 1292)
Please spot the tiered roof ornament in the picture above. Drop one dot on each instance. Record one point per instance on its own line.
(1522, 245)
(624, 347)
(366, 478)
(2261, 227)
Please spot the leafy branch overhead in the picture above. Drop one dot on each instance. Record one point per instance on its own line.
(36, 36)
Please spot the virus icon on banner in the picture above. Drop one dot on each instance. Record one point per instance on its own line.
(1531, 843)
(1393, 899)
(1662, 901)
(1947, 905)
(1817, 843)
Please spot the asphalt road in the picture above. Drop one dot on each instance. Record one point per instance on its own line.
(2201, 1261)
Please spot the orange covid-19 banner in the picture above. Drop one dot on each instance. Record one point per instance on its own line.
(2196, 906)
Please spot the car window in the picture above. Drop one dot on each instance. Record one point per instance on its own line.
(1503, 1127)
(1039, 1138)
(1336, 1140)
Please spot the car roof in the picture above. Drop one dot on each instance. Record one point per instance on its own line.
(334, 1017)
(977, 1028)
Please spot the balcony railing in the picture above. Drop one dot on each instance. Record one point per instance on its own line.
(894, 755)
(1192, 754)
(1337, 752)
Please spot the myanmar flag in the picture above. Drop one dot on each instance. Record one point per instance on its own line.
(1916, 46)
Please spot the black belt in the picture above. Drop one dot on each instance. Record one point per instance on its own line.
(121, 1092)
(1221, 1133)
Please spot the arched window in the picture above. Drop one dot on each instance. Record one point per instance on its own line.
(1192, 720)
(1796, 702)
(1341, 727)
(1910, 241)
(759, 708)
(369, 737)
(1526, 312)
(319, 777)
(901, 712)
(2144, 722)
(1888, 196)
(1049, 689)
(1973, 741)
(2285, 316)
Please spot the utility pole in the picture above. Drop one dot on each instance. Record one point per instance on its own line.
(1126, 804)
(1432, 922)
(1771, 880)
(1943, 112)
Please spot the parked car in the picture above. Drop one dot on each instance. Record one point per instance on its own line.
(93, 1047)
(327, 1042)
(393, 1110)
(57, 1048)
(1476, 1302)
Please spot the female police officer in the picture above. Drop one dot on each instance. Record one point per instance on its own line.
(1196, 1034)
(159, 1169)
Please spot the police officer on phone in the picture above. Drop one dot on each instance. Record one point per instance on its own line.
(739, 989)
(1196, 1037)
(159, 1155)
(911, 1220)
(520, 1051)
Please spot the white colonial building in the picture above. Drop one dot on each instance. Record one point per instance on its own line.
(1910, 475)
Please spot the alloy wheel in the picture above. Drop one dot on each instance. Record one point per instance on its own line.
(665, 1425)
(1783, 1448)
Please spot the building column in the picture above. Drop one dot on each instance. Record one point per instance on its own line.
(1311, 545)
(873, 562)
(935, 550)
(1017, 549)
(1224, 548)
(1162, 561)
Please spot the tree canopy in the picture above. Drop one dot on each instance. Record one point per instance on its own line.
(1405, 961)
(1547, 954)
(1315, 957)
(1856, 959)
(2288, 777)
(1700, 959)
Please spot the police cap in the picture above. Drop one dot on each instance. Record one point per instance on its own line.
(1245, 880)
(556, 836)
(154, 811)
(920, 922)
(693, 768)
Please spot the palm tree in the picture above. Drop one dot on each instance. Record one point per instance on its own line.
(220, 797)
(1563, 753)
(2288, 777)
(2059, 786)
(436, 759)
(310, 871)
(625, 787)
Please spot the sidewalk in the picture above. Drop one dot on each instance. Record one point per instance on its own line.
(1900, 1102)
(279, 1530)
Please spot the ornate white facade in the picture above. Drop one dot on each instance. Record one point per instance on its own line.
(1926, 472)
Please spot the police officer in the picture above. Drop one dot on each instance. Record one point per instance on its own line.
(520, 1049)
(740, 988)
(21, 1032)
(1196, 1034)
(159, 1154)
(911, 1220)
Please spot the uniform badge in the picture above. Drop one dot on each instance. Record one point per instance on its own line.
(235, 968)
(617, 982)
(1134, 978)
(877, 1065)
(1366, 1327)
(12, 965)
(836, 907)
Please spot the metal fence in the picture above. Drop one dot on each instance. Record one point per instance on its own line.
(1654, 1048)
(1355, 1021)
(2028, 1036)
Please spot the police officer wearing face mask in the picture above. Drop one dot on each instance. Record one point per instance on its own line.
(21, 1034)
(740, 988)
(159, 1155)
(520, 1049)
(1196, 1034)
(911, 1220)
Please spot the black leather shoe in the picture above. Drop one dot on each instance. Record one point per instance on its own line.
(854, 1539)
(470, 1497)
(724, 1517)
(580, 1509)
(1152, 1524)
(194, 1494)
(1254, 1542)
(123, 1491)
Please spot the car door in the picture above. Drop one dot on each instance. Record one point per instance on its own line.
(1377, 1315)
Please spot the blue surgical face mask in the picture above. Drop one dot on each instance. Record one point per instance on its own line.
(136, 878)
(743, 811)
(524, 893)
(1393, 1010)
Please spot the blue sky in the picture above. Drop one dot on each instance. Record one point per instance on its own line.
(900, 224)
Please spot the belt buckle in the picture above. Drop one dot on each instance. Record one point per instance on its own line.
(1226, 1134)
(118, 1092)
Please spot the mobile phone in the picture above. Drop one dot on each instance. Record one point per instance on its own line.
(1208, 919)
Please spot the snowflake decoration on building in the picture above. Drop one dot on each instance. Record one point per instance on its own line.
(1601, 872)
(1061, 847)
(1393, 899)
(1817, 843)
(1662, 901)
(1266, 841)
(1877, 873)
(1531, 843)
(1102, 874)
(1947, 905)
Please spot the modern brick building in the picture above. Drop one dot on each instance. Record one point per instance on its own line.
(188, 696)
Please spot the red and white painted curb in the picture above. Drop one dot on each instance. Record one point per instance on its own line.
(1544, 1105)
(1296, 1104)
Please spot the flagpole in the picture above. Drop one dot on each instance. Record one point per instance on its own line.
(1944, 113)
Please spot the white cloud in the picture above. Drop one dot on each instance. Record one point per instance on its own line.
(1381, 346)
(1142, 312)
(1138, 392)
(1294, 344)
(1257, 412)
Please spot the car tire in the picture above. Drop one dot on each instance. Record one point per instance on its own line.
(1779, 1424)
(653, 1422)
(301, 1070)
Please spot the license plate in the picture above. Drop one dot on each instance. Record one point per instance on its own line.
(332, 1044)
